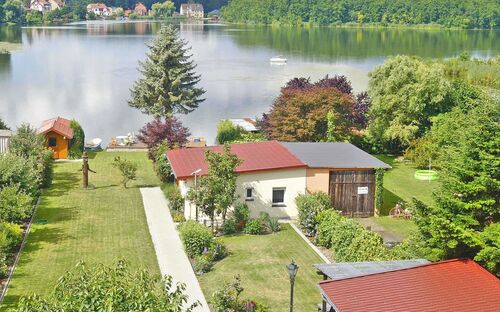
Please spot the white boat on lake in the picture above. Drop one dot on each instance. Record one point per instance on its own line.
(280, 59)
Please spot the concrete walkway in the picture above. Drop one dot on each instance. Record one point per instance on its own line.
(170, 253)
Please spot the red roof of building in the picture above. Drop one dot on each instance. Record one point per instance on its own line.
(453, 285)
(59, 125)
(256, 156)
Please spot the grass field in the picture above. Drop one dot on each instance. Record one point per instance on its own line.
(102, 224)
(261, 263)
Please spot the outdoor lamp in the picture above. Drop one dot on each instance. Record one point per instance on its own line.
(292, 271)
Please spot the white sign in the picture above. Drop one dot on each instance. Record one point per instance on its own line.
(362, 190)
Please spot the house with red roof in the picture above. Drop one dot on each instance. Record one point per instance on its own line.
(409, 286)
(273, 173)
(58, 133)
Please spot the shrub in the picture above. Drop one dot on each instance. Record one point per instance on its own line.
(327, 221)
(26, 143)
(196, 237)
(15, 205)
(4, 268)
(309, 206)
(127, 168)
(77, 143)
(45, 167)
(162, 166)
(175, 199)
(217, 251)
(228, 299)
(171, 131)
(11, 236)
(202, 264)
(241, 214)
(253, 227)
(227, 132)
(229, 227)
(269, 225)
(178, 217)
(20, 172)
(273, 225)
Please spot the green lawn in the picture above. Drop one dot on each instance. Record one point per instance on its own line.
(399, 184)
(103, 224)
(260, 261)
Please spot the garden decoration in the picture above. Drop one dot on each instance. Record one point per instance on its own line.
(86, 169)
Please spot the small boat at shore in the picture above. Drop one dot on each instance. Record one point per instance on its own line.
(93, 144)
(280, 59)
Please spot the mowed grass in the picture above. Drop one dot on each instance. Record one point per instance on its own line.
(261, 262)
(100, 225)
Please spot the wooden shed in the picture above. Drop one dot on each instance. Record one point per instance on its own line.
(4, 140)
(343, 171)
(58, 133)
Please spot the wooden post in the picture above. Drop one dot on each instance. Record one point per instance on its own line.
(85, 170)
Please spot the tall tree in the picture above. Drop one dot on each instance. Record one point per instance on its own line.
(406, 92)
(168, 82)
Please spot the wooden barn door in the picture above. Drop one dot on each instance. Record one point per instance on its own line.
(353, 192)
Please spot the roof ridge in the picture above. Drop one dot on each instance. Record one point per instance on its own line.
(403, 269)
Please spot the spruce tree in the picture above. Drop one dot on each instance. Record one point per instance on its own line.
(168, 82)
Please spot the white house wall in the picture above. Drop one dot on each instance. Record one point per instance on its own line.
(262, 182)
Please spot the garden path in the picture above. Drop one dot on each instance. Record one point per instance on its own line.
(172, 259)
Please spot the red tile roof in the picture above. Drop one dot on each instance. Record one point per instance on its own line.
(59, 125)
(453, 285)
(257, 156)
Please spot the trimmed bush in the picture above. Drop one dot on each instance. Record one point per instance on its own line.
(20, 172)
(11, 236)
(161, 164)
(15, 205)
(253, 227)
(196, 237)
(309, 206)
(327, 221)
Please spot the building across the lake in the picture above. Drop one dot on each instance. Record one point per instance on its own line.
(408, 286)
(58, 133)
(140, 9)
(272, 174)
(99, 9)
(46, 5)
(192, 10)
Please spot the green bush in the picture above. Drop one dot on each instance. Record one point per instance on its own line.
(4, 268)
(45, 168)
(20, 172)
(178, 217)
(162, 166)
(11, 236)
(327, 221)
(309, 206)
(273, 225)
(227, 132)
(196, 237)
(15, 205)
(253, 227)
(175, 200)
(202, 264)
(77, 143)
(241, 214)
(228, 227)
(228, 299)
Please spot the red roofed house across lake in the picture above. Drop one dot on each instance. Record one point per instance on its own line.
(273, 173)
(58, 133)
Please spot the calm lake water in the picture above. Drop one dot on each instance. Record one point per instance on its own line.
(84, 71)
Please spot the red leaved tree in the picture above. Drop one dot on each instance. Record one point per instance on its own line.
(169, 130)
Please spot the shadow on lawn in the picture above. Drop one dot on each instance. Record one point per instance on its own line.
(63, 182)
(390, 200)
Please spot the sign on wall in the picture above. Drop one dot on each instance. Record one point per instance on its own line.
(362, 190)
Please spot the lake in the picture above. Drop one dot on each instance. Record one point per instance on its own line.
(85, 70)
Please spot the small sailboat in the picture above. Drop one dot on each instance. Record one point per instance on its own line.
(279, 59)
(93, 144)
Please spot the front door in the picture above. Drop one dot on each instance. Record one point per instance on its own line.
(353, 192)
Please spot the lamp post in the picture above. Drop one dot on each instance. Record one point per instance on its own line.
(195, 174)
(292, 271)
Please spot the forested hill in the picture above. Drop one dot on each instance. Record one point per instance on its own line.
(449, 13)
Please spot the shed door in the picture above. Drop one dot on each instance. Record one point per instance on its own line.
(353, 192)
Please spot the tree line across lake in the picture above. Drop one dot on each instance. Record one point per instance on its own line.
(483, 14)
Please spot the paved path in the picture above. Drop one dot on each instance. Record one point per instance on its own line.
(169, 250)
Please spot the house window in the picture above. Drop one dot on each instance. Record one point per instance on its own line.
(52, 142)
(278, 196)
(249, 194)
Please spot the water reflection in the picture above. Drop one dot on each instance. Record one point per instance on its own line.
(85, 70)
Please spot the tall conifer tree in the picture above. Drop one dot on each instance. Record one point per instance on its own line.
(168, 82)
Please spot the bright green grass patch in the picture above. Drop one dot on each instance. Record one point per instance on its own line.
(401, 227)
(102, 224)
(400, 184)
(260, 261)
